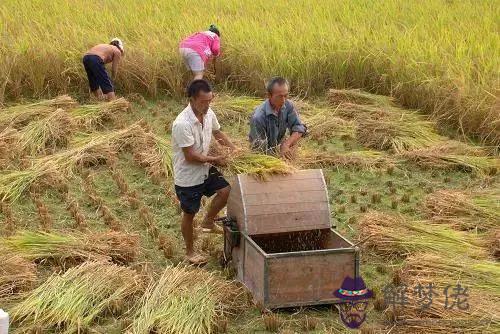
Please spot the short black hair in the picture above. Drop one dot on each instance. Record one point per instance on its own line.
(213, 28)
(197, 86)
(280, 81)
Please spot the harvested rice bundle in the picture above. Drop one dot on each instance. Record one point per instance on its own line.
(399, 135)
(19, 115)
(92, 115)
(390, 128)
(479, 277)
(338, 96)
(356, 159)
(89, 149)
(155, 154)
(234, 109)
(74, 247)
(16, 274)
(440, 157)
(72, 301)
(187, 300)
(10, 221)
(46, 133)
(324, 124)
(393, 235)
(444, 269)
(260, 166)
(480, 211)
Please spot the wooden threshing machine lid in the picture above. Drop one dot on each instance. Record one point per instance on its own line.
(283, 203)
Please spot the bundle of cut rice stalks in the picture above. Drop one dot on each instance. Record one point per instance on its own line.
(70, 248)
(392, 235)
(88, 149)
(354, 159)
(154, 153)
(19, 115)
(357, 96)
(453, 158)
(72, 301)
(187, 300)
(16, 273)
(49, 132)
(466, 211)
(390, 128)
(234, 109)
(322, 123)
(479, 278)
(258, 165)
(97, 115)
(397, 135)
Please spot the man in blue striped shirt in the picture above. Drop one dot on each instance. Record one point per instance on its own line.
(272, 118)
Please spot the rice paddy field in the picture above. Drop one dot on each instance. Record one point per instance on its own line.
(436, 55)
(90, 237)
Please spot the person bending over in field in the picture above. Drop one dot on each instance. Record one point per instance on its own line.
(199, 48)
(272, 118)
(95, 59)
(194, 172)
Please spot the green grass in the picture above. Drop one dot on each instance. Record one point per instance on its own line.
(435, 55)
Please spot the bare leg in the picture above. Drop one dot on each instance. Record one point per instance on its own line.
(197, 75)
(98, 94)
(187, 232)
(219, 202)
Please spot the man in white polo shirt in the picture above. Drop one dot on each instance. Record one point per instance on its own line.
(194, 172)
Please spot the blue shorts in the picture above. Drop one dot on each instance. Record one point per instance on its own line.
(190, 197)
(97, 75)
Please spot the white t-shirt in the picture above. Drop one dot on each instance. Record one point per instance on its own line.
(188, 131)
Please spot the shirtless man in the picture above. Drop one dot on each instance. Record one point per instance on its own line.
(95, 59)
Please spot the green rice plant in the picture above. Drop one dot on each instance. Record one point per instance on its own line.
(72, 301)
(73, 247)
(474, 210)
(392, 235)
(234, 109)
(187, 300)
(92, 115)
(20, 115)
(16, 273)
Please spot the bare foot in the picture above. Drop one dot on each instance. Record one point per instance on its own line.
(212, 229)
(196, 259)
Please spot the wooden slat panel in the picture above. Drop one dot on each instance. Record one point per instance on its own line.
(254, 271)
(274, 187)
(262, 210)
(307, 278)
(299, 175)
(286, 197)
(299, 221)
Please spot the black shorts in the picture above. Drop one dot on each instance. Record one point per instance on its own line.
(97, 75)
(190, 197)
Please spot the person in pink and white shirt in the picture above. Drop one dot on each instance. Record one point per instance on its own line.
(199, 48)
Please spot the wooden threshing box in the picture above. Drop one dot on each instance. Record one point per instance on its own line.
(286, 253)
